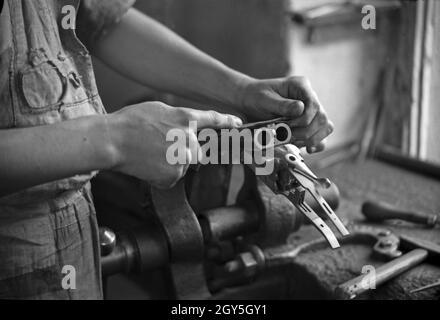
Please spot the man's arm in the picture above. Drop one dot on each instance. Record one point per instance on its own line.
(131, 141)
(151, 54)
(146, 51)
(35, 155)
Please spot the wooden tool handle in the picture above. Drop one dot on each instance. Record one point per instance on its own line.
(379, 211)
(352, 288)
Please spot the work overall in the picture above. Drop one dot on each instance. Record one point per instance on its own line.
(48, 234)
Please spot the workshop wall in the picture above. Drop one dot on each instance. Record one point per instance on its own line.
(345, 64)
(433, 129)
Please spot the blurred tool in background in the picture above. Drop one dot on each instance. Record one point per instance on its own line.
(381, 211)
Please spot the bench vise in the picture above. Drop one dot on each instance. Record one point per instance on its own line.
(202, 224)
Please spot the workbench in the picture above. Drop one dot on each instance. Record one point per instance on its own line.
(316, 274)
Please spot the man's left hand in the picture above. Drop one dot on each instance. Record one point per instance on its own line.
(294, 98)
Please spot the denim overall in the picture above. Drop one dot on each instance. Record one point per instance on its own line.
(49, 245)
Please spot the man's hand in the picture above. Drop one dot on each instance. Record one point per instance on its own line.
(291, 97)
(138, 139)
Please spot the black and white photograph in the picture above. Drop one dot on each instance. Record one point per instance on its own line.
(225, 157)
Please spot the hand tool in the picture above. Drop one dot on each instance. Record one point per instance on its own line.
(429, 286)
(253, 261)
(291, 177)
(385, 245)
(380, 211)
(298, 180)
(420, 250)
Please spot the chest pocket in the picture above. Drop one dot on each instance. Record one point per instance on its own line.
(57, 73)
(43, 87)
(51, 85)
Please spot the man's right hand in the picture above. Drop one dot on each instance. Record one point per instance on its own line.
(138, 139)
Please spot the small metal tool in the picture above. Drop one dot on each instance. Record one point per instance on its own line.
(308, 180)
(417, 252)
(355, 287)
(301, 180)
(429, 286)
(385, 245)
(254, 260)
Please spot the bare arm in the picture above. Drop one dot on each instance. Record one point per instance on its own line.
(31, 156)
(132, 141)
(147, 52)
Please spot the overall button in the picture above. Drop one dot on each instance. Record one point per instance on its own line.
(61, 57)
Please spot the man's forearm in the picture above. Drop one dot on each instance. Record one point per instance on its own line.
(32, 156)
(149, 53)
